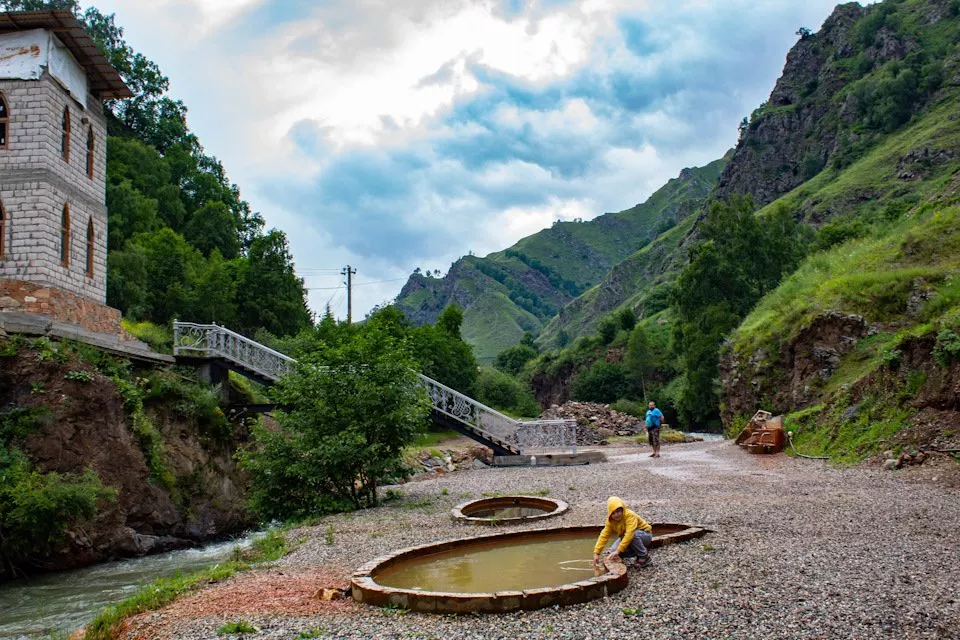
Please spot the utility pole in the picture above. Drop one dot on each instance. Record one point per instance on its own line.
(347, 271)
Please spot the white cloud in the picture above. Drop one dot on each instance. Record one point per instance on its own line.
(281, 104)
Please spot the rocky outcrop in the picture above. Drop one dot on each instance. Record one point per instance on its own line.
(791, 137)
(789, 380)
(796, 378)
(89, 427)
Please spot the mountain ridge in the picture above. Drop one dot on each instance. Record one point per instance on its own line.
(519, 289)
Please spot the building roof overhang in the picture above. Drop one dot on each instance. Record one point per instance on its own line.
(105, 81)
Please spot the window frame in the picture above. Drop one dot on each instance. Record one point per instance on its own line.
(90, 247)
(91, 150)
(3, 231)
(65, 236)
(5, 121)
(65, 135)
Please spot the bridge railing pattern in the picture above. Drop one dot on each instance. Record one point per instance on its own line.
(543, 435)
(213, 341)
(465, 409)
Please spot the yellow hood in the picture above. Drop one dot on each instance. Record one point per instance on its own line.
(614, 503)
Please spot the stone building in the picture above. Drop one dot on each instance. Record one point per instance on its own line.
(53, 218)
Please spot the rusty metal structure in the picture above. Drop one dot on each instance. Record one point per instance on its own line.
(763, 434)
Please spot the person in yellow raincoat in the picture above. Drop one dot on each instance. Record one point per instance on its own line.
(634, 533)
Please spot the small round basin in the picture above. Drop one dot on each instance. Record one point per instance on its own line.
(508, 510)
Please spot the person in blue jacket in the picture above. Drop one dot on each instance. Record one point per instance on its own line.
(654, 420)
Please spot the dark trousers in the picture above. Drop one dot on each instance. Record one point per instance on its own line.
(639, 545)
(653, 436)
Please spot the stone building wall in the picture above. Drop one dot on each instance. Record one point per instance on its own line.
(36, 182)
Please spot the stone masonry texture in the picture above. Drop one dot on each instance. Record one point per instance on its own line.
(36, 182)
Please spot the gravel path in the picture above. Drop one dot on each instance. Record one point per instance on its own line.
(801, 550)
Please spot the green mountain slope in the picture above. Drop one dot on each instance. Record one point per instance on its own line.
(861, 346)
(843, 89)
(508, 293)
(860, 139)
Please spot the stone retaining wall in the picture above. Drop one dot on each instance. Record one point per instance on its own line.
(62, 306)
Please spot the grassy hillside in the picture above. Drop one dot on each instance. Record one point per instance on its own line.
(518, 290)
(860, 347)
(860, 140)
(641, 282)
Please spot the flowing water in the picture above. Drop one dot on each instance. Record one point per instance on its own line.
(525, 563)
(63, 601)
(707, 437)
(499, 513)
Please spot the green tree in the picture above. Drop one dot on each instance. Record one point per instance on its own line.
(602, 382)
(127, 281)
(173, 269)
(740, 259)
(269, 293)
(213, 227)
(450, 320)
(641, 360)
(504, 392)
(627, 319)
(513, 359)
(608, 329)
(355, 407)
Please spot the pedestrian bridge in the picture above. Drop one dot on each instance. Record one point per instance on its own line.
(216, 346)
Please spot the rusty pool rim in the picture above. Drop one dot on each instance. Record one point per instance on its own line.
(550, 507)
(365, 589)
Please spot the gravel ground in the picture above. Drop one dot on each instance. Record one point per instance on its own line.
(800, 550)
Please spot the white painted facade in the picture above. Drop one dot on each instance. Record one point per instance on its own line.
(26, 55)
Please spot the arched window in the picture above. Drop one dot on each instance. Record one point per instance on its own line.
(90, 248)
(3, 231)
(90, 148)
(65, 139)
(4, 122)
(65, 236)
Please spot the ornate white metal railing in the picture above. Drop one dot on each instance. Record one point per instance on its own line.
(213, 341)
(468, 411)
(544, 435)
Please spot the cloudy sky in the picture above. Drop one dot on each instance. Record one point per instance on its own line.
(394, 134)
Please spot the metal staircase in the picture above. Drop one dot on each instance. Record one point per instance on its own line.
(206, 343)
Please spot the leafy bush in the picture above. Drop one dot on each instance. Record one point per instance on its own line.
(947, 347)
(235, 627)
(512, 360)
(355, 407)
(608, 329)
(503, 392)
(840, 231)
(603, 382)
(633, 408)
(160, 338)
(36, 508)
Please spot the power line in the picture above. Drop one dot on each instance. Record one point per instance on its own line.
(355, 284)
